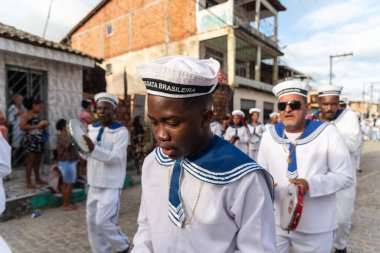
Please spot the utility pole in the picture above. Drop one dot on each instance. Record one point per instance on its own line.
(331, 62)
(371, 102)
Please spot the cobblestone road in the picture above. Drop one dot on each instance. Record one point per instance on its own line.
(65, 232)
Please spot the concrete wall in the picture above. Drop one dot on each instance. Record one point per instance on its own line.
(259, 97)
(64, 87)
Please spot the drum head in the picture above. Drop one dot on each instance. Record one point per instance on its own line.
(76, 131)
(288, 206)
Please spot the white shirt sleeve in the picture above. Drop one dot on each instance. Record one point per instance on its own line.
(340, 173)
(244, 135)
(253, 212)
(5, 157)
(142, 241)
(351, 132)
(118, 151)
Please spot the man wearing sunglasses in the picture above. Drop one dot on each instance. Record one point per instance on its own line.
(347, 124)
(311, 154)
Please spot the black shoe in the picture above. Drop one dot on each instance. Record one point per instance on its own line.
(341, 250)
(124, 251)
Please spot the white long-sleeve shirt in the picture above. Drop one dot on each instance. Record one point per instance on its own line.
(242, 132)
(107, 163)
(324, 162)
(258, 131)
(5, 168)
(235, 217)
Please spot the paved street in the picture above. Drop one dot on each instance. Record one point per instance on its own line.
(61, 232)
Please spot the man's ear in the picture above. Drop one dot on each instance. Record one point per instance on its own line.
(207, 117)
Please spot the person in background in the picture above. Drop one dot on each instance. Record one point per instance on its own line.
(68, 159)
(34, 127)
(106, 169)
(3, 126)
(14, 114)
(274, 118)
(238, 133)
(215, 126)
(5, 169)
(85, 115)
(226, 123)
(139, 149)
(256, 130)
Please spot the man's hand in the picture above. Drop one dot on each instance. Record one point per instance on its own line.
(89, 142)
(301, 181)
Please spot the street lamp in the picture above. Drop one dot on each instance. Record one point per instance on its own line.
(331, 62)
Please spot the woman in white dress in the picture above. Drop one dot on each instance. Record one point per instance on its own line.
(256, 130)
(238, 133)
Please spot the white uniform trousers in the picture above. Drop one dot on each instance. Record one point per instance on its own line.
(4, 248)
(303, 242)
(345, 200)
(102, 212)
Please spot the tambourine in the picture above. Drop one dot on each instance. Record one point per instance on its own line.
(291, 207)
(76, 131)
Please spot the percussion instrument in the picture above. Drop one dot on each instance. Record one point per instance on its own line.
(76, 131)
(291, 207)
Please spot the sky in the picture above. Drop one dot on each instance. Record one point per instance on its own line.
(310, 31)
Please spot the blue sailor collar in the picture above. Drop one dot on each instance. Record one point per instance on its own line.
(312, 130)
(220, 163)
(113, 126)
(258, 124)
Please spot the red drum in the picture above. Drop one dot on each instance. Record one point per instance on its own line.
(291, 207)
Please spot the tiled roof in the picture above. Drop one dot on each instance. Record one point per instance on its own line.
(10, 32)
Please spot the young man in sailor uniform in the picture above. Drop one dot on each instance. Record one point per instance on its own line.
(199, 192)
(106, 169)
(311, 154)
(238, 133)
(256, 130)
(348, 125)
(5, 169)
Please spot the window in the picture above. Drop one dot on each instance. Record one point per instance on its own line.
(109, 30)
(108, 69)
(241, 68)
(246, 104)
(216, 55)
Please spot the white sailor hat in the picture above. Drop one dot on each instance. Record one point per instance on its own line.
(238, 113)
(291, 87)
(106, 97)
(274, 114)
(343, 99)
(329, 90)
(180, 76)
(252, 110)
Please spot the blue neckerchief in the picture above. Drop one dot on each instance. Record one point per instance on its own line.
(254, 127)
(114, 125)
(312, 129)
(220, 163)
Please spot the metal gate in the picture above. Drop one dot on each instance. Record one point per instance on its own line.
(30, 84)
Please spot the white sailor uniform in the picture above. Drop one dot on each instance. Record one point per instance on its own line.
(223, 194)
(5, 169)
(321, 157)
(216, 128)
(348, 125)
(256, 132)
(106, 170)
(242, 132)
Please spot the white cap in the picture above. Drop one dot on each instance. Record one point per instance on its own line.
(180, 76)
(274, 114)
(343, 99)
(252, 110)
(291, 87)
(329, 90)
(106, 97)
(238, 113)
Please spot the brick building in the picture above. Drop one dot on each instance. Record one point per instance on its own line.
(240, 34)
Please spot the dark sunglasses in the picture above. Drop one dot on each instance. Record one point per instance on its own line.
(293, 104)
